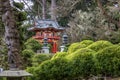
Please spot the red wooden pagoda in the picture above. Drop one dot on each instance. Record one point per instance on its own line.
(47, 29)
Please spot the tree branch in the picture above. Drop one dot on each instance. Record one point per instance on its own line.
(109, 18)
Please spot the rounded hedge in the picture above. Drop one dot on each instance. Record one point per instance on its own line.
(82, 62)
(59, 55)
(87, 42)
(39, 58)
(73, 47)
(53, 70)
(108, 61)
(32, 71)
(99, 45)
(99, 58)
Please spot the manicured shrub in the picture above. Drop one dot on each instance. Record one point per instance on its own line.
(53, 70)
(59, 55)
(73, 47)
(86, 42)
(33, 44)
(82, 62)
(98, 45)
(108, 61)
(32, 71)
(39, 58)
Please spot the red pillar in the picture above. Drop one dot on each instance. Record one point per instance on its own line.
(54, 48)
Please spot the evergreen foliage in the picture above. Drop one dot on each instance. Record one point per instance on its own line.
(84, 63)
(39, 58)
(52, 69)
(108, 61)
(73, 47)
(18, 5)
(59, 55)
(32, 44)
(98, 45)
(27, 55)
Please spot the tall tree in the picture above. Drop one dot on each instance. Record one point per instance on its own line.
(53, 10)
(11, 34)
(43, 9)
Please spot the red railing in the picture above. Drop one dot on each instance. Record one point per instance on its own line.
(49, 37)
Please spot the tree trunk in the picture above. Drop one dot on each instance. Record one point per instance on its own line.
(1, 27)
(11, 34)
(44, 9)
(53, 10)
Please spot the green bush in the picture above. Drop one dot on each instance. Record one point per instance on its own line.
(33, 44)
(82, 62)
(73, 47)
(108, 61)
(59, 55)
(76, 65)
(27, 55)
(39, 58)
(86, 42)
(51, 70)
(32, 71)
(98, 45)
(2, 78)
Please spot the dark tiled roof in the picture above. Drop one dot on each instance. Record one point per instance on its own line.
(44, 24)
